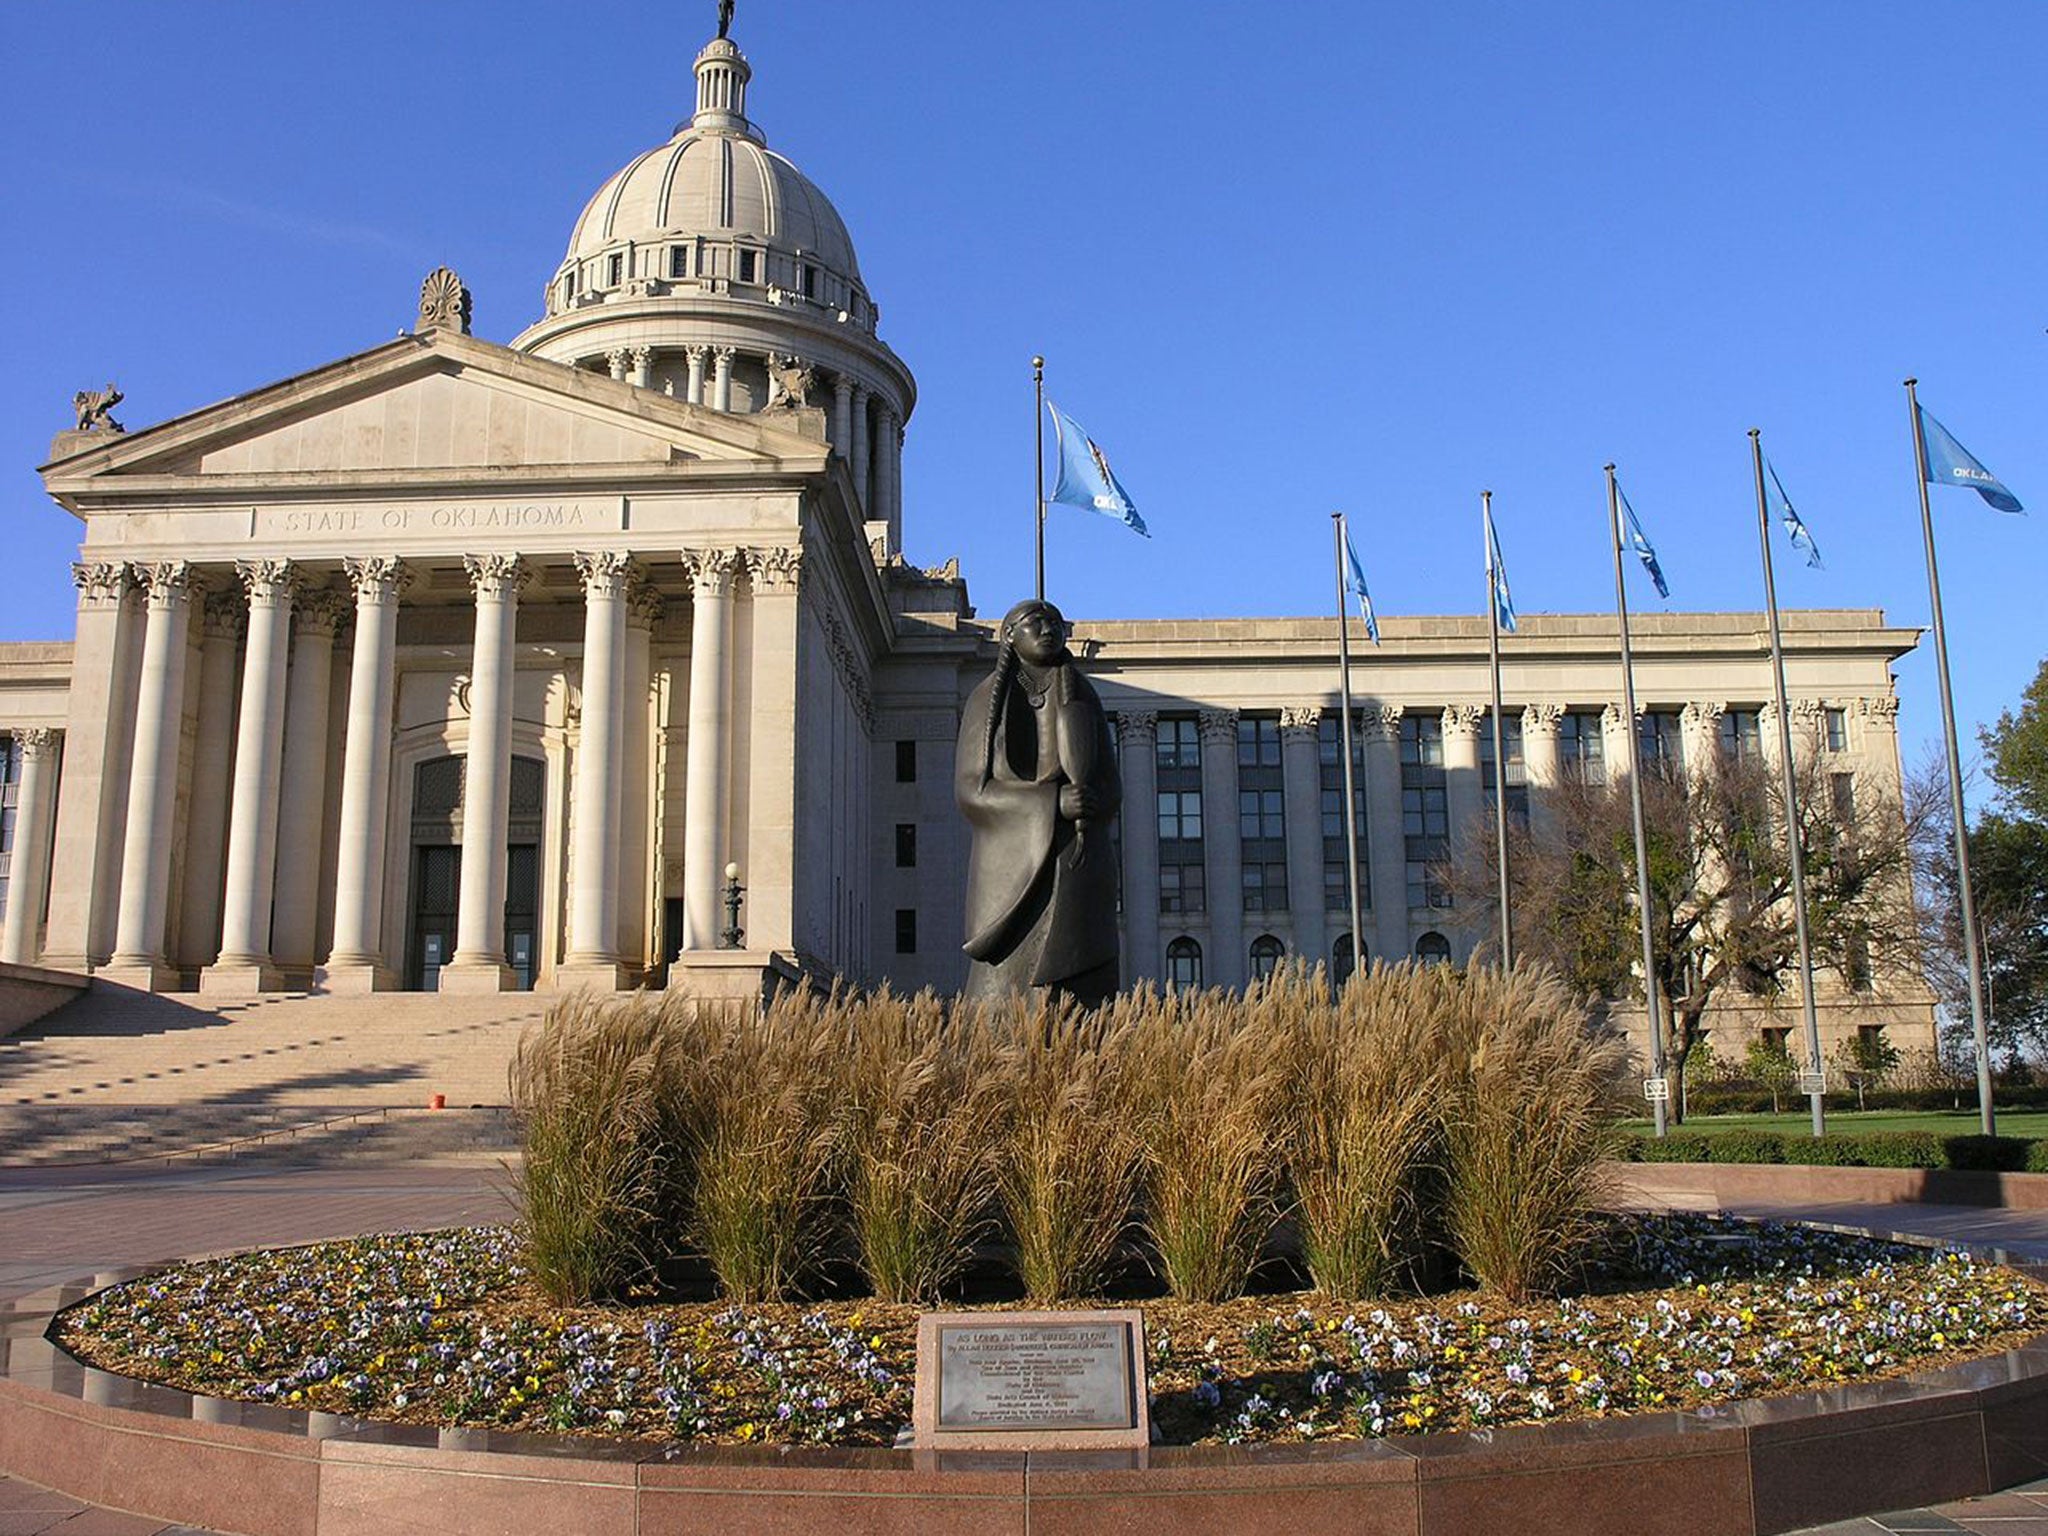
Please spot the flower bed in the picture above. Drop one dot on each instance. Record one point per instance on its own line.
(446, 1328)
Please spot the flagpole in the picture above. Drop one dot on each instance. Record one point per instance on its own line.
(1350, 792)
(1500, 760)
(1971, 959)
(1794, 836)
(1635, 792)
(1038, 418)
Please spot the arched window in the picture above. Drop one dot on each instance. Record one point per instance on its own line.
(1266, 953)
(1183, 963)
(1342, 962)
(1433, 949)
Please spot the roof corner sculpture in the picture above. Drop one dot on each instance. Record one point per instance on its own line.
(95, 409)
(444, 302)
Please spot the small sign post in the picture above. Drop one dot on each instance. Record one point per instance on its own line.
(1657, 1090)
(1811, 1083)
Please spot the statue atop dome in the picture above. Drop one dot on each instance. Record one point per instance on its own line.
(725, 18)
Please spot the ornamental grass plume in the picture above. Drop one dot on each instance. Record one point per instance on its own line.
(761, 1130)
(1070, 1154)
(1526, 1128)
(1365, 1082)
(919, 1124)
(1207, 1079)
(588, 1084)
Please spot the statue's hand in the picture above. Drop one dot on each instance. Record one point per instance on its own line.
(1078, 802)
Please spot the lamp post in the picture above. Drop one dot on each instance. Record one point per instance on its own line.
(733, 935)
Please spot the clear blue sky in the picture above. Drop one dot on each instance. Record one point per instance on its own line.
(1284, 258)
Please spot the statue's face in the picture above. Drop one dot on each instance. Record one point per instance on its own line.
(1039, 635)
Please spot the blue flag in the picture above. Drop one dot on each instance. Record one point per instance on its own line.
(1948, 462)
(1794, 528)
(1085, 478)
(1497, 575)
(1354, 581)
(1639, 541)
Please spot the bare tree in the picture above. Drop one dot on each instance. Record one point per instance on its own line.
(1720, 887)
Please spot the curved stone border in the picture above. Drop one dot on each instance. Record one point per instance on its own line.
(1746, 1469)
(1810, 1182)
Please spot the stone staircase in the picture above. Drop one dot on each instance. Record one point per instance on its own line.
(121, 1074)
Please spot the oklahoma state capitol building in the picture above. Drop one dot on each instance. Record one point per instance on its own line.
(469, 667)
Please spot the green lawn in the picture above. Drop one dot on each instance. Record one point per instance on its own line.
(2016, 1122)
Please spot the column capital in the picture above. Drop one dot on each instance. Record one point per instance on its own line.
(776, 569)
(1883, 707)
(1703, 714)
(711, 571)
(378, 578)
(225, 615)
(102, 583)
(1137, 727)
(1611, 716)
(266, 581)
(1384, 721)
(320, 608)
(38, 743)
(606, 573)
(723, 356)
(1461, 722)
(645, 606)
(497, 578)
(642, 356)
(615, 359)
(695, 354)
(1542, 719)
(1301, 719)
(1218, 727)
(1808, 711)
(842, 386)
(170, 582)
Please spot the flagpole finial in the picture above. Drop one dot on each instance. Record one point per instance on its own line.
(1911, 382)
(1609, 468)
(1038, 363)
(1755, 432)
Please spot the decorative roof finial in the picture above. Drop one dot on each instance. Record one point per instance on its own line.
(725, 18)
(444, 302)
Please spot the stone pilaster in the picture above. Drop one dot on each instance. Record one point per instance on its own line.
(1301, 775)
(1137, 735)
(1222, 850)
(775, 576)
(1388, 844)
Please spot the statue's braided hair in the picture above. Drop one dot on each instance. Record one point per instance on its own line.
(1006, 673)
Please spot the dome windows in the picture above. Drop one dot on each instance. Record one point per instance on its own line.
(748, 266)
(679, 261)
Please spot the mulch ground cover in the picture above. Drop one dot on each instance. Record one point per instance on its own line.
(444, 1328)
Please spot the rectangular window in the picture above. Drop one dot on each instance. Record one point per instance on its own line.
(1265, 887)
(1660, 742)
(1180, 744)
(1842, 794)
(1426, 812)
(906, 930)
(1425, 809)
(1836, 723)
(569, 285)
(615, 269)
(1742, 736)
(1330, 761)
(906, 845)
(810, 276)
(1582, 747)
(750, 266)
(906, 762)
(1180, 815)
(1258, 742)
(1422, 741)
(1182, 888)
(1517, 775)
(1261, 815)
(679, 261)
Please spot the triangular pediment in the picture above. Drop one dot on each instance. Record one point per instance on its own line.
(434, 402)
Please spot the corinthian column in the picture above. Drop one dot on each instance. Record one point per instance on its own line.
(721, 379)
(1464, 796)
(28, 872)
(704, 805)
(860, 456)
(1386, 844)
(1222, 849)
(138, 958)
(775, 577)
(1137, 739)
(889, 475)
(1301, 778)
(842, 413)
(479, 962)
(593, 958)
(693, 387)
(245, 964)
(1540, 759)
(302, 807)
(206, 832)
(357, 963)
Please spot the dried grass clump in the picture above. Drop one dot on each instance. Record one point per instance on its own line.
(919, 1127)
(1366, 1083)
(1071, 1153)
(589, 1084)
(1526, 1128)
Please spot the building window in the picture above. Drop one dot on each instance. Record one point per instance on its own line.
(1425, 809)
(1341, 962)
(1518, 773)
(1742, 736)
(1777, 1038)
(906, 762)
(750, 266)
(906, 930)
(1184, 963)
(1330, 767)
(679, 261)
(1842, 795)
(1582, 747)
(1180, 743)
(1660, 742)
(1262, 815)
(810, 280)
(1182, 888)
(1258, 741)
(1433, 949)
(906, 845)
(615, 269)
(1422, 741)
(1180, 815)
(1266, 954)
(569, 286)
(10, 791)
(1856, 958)
(1265, 887)
(1835, 722)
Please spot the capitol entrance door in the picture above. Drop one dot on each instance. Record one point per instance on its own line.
(436, 874)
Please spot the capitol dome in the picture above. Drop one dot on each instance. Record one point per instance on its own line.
(712, 269)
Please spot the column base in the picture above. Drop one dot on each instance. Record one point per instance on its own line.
(354, 978)
(594, 975)
(467, 978)
(235, 977)
(143, 975)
